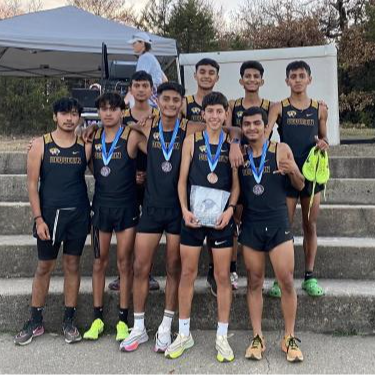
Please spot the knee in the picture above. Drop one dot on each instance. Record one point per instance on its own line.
(44, 269)
(255, 281)
(222, 277)
(286, 282)
(189, 273)
(174, 267)
(100, 264)
(141, 270)
(71, 265)
(309, 227)
(124, 265)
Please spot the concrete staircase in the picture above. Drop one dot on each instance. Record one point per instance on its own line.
(345, 262)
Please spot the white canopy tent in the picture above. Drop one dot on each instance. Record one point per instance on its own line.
(67, 42)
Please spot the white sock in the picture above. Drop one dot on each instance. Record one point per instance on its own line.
(139, 321)
(166, 324)
(184, 326)
(222, 329)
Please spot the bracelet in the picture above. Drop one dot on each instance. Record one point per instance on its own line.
(233, 206)
(325, 139)
(38, 217)
(236, 140)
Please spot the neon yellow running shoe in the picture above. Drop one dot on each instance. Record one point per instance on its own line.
(96, 329)
(311, 164)
(178, 346)
(224, 351)
(322, 172)
(122, 331)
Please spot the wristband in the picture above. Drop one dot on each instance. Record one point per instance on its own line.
(236, 140)
(38, 217)
(233, 206)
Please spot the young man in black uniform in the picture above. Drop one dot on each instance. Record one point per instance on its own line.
(251, 80)
(207, 75)
(114, 153)
(205, 163)
(141, 89)
(265, 227)
(161, 212)
(302, 125)
(61, 211)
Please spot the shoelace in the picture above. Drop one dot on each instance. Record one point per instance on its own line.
(292, 344)
(256, 341)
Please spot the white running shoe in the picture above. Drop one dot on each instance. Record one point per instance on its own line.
(179, 345)
(224, 351)
(163, 339)
(234, 280)
(136, 337)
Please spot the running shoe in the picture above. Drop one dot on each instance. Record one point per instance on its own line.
(234, 280)
(311, 164)
(275, 290)
(122, 331)
(179, 345)
(290, 347)
(322, 172)
(163, 339)
(96, 329)
(211, 283)
(224, 351)
(28, 332)
(153, 284)
(70, 331)
(114, 285)
(256, 348)
(136, 338)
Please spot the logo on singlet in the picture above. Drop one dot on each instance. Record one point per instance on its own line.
(98, 147)
(202, 148)
(291, 113)
(196, 110)
(156, 136)
(239, 114)
(54, 151)
(75, 152)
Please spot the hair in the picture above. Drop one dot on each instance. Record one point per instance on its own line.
(112, 98)
(66, 104)
(141, 75)
(252, 111)
(300, 64)
(252, 65)
(147, 47)
(214, 98)
(171, 85)
(207, 61)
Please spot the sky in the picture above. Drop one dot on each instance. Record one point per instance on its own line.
(48, 4)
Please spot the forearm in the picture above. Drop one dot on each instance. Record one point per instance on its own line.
(34, 200)
(182, 194)
(234, 132)
(297, 179)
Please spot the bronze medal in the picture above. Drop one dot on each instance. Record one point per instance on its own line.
(212, 178)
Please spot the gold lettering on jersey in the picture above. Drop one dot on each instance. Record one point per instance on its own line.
(157, 144)
(249, 172)
(116, 155)
(222, 158)
(300, 121)
(196, 118)
(291, 113)
(65, 160)
(54, 151)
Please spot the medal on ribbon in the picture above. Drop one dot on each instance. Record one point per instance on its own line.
(106, 157)
(258, 188)
(166, 166)
(212, 161)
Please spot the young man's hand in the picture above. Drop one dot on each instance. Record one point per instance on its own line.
(224, 219)
(140, 177)
(42, 230)
(286, 165)
(190, 220)
(30, 144)
(88, 133)
(235, 155)
(321, 144)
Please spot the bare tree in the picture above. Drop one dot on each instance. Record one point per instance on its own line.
(10, 8)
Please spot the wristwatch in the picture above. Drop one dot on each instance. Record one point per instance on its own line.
(236, 140)
(233, 206)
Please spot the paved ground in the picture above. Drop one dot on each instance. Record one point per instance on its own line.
(323, 354)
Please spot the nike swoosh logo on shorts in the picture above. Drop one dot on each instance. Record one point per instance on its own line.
(217, 243)
(287, 232)
(135, 218)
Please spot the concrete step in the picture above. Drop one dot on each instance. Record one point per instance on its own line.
(338, 258)
(334, 220)
(347, 307)
(343, 164)
(13, 188)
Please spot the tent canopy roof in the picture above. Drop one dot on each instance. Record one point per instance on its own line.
(67, 41)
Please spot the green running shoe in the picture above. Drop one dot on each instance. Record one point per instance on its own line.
(122, 331)
(311, 164)
(96, 329)
(322, 172)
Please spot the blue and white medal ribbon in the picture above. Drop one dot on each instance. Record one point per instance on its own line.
(258, 189)
(106, 157)
(212, 161)
(166, 166)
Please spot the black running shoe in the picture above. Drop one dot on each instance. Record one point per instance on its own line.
(211, 283)
(153, 284)
(71, 332)
(28, 332)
